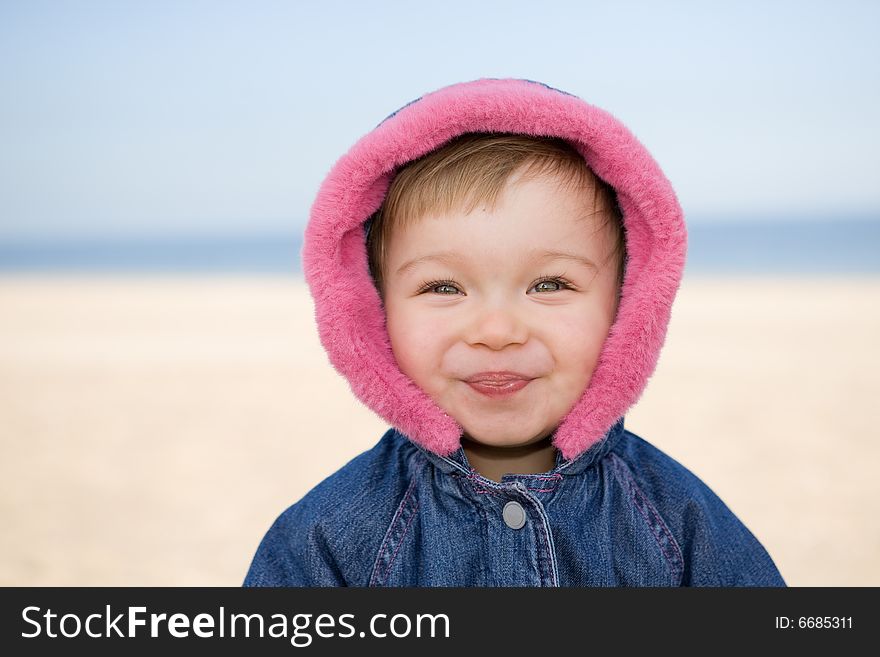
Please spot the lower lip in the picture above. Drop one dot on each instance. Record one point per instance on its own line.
(500, 390)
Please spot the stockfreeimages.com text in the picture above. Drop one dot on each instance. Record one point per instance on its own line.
(296, 628)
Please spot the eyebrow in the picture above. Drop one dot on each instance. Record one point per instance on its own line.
(535, 254)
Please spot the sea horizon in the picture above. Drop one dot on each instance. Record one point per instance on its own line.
(843, 245)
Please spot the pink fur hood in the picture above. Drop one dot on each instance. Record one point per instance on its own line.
(351, 321)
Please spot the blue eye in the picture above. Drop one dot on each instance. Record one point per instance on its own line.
(428, 286)
(561, 282)
(557, 281)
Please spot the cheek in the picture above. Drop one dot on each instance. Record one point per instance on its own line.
(413, 342)
(578, 339)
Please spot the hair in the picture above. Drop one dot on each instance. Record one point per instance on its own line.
(474, 168)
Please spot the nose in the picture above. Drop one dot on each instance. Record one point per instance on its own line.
(497, 326)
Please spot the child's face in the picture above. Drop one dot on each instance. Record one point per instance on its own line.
(495, 310)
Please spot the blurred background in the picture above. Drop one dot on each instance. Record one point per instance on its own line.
(163, 393)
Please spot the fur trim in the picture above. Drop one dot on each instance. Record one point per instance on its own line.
(351, 321)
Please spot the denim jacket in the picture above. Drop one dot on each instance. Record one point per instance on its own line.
(621, 514)
(411, 511)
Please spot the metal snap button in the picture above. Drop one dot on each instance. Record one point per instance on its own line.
(514, 515)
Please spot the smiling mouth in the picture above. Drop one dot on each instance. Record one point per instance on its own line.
(499, 389)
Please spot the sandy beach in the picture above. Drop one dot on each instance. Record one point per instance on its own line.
(152, 428)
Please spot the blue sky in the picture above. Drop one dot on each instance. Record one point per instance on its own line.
(204, 118)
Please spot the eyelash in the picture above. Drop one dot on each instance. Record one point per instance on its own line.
(426, 286)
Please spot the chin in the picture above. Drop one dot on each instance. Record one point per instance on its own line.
(501, 438)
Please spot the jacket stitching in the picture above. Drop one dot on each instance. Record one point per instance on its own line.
(553, 476)
(402, 537)
(546, 548)
(482, 489)
(377, 565)
(642, 503)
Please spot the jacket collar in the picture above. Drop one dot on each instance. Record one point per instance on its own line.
(457, 461)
